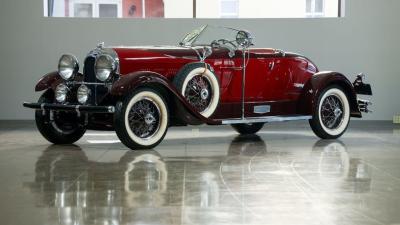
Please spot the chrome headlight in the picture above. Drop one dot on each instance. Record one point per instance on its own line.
(105, 66)
(68, 66)
(83, 94)
(61, 93)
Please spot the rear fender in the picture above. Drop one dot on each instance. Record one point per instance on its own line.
(317, 84)
(127, 83)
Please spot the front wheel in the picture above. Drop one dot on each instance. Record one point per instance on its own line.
(141, 119)
(250, 128)
(332, 113)
(58, 127)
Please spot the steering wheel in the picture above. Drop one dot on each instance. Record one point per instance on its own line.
(224, 42)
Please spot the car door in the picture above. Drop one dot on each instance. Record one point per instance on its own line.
(259, 83)
(228, 70)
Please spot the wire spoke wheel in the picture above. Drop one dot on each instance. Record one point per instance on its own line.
(198, 92)
(141, 120)
(332, 112)
(331, 115)
(144, 118)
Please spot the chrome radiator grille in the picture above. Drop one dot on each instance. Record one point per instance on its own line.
(88, 69)
(90, 76)
(98, 91)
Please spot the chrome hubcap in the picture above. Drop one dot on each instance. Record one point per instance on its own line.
(149, 119)
(204, 94)
(337, 112)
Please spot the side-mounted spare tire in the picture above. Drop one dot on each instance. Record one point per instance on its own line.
(200, 87)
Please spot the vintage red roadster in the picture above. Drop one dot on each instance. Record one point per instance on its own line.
(214, 76)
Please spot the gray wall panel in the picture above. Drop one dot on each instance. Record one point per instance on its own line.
(366, 40)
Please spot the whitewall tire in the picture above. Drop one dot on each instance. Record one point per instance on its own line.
(141, 120)
(331, 115)
(200, 87)
(59, 127)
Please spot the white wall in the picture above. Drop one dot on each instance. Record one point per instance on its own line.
(253, 8)
(272, 8)
(366, 40)
(178, 9)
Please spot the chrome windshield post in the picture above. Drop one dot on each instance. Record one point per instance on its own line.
(244, 66)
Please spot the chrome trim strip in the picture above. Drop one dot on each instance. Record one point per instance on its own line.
(243, 80)
(75, 108)
(88, 83)
(266, 119)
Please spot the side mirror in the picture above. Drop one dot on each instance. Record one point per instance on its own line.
(244, 39)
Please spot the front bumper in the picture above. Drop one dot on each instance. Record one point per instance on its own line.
(362, 88)
(75, 108)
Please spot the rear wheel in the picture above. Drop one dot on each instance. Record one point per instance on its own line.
(56, 126)
(250, 128)
(332, 113)
(141, 121)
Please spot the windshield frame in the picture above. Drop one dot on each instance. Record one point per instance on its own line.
(190, 38)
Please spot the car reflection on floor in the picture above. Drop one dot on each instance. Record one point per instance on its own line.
(140, 183)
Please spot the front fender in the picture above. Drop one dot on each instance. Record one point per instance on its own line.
(128, 83)
(49, 80)
(318, 82)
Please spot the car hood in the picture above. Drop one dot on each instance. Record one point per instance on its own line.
(153, 58)
(154, 52)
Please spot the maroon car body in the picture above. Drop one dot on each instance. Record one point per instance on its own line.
(256, 85)
(274, 77)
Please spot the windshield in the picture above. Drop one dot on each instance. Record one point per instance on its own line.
(207, 34)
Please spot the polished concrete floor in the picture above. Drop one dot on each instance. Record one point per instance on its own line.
(203, 175)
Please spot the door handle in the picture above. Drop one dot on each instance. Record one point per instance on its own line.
(271, 65)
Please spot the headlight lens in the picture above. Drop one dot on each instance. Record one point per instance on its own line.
(68, 66)
(105, 66)
(61, 93)
(83, 94)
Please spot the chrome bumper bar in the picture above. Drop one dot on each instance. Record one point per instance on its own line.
(363, 105)
(76, 108)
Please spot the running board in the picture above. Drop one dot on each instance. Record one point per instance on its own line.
(266, 119)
